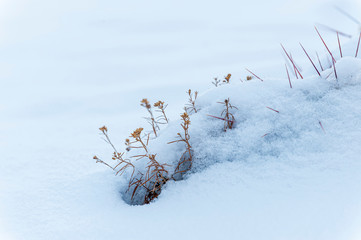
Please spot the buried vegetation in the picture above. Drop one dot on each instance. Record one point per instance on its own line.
(147, 175)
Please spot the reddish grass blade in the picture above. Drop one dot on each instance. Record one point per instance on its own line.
(265, 135)
(339, 44)
(322, 127)
(294, 68)
(334, 69)
(310, 60)
(319, 61)
(358, 44)
(333, 59)
(291, 61)
(254, 74)
(328, 75)
(288, 75)
(220, 118)
(273, 109)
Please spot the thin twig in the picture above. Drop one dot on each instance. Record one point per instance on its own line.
(254, 74)
(310, 60)
(288, 75)
(358, 44)
(333, 59)
(319, 62)
(339, 44)
(291, 61)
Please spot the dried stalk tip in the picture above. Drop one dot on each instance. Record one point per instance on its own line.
(162, 119)
(227, 78)
(186, 160)
(228, 116)
(136, 133)
(151, 120)
(145, 103)
(216, 82)
(104, 129)
(249, 78)
(191, 105)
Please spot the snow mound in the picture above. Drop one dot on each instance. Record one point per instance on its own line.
(273, 122)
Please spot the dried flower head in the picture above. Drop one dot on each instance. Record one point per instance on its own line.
(249, 78)
(104, 129)
(227, 78)
(159, 104)
(145, 103)
(136, 133)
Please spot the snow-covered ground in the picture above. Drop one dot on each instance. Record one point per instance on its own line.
(69, 67)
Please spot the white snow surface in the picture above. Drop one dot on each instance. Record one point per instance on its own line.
(69, 67)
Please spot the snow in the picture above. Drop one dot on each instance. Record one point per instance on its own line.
(69, 67)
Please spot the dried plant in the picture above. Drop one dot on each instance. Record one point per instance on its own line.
(186, 160)
(191, 105)
(151, 120)
(228, 116)
(216, 82)
(162, 119)
(156, 175)
(122, 164)
(249, 78)
(227, 78)
(155, 178)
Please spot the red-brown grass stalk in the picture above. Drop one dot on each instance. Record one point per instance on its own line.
(310, 60)
(319, 62)
(333, 59)
(288, 75)
(334, 69)
(322, 126)
(254, 74)
(273, 109)
(339, 44)
(358, 44)
(294, 65)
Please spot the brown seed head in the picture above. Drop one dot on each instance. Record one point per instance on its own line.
(137, 132)
(145, 103)
(249, 78)
(103, 129)
(228, 77)
(159, 104)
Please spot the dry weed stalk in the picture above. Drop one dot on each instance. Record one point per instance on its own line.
(191, 105)
(122, 164)
(156, 175)
(216, 82)
(228, 116)
(186, 160)
(151, 120)
(162, 119)
(227, 78)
